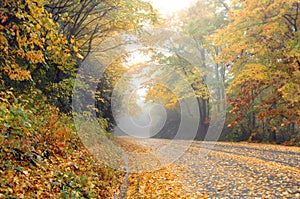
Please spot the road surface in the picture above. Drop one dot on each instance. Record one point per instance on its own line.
(225, 170)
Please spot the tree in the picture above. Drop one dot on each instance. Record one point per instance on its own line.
(89, 22)
(30, 42)
(43, 43)
(192, 58)
(33, 51)
(179, 81)
(199, 22)
(262, 44)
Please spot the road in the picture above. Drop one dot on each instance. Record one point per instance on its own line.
(225, 170)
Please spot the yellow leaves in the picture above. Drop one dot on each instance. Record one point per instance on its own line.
(156, 184)
(75, 48)
(100, 99)
(262, 47)
(67, 50)
(72, 40)
(95, 109)
(27, 40)
(57, 40)
(47, 168)
(290, 91)
(77, 43)
(170, 105)
(251, 73)
(79, 56)
(38, 26)
(162, 183)
(49, 48)
(3, 18)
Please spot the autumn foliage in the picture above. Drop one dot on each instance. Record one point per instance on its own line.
(44, 158)
(251, 47)
(29, 40)
(40, 52)
(261, 43)
(254, 49)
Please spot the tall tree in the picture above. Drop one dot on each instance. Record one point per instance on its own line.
(30, 42)
(43, 42)
(91, 21)
(34, 54)
(262, 45)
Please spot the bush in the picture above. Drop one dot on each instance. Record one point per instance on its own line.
(41, 155)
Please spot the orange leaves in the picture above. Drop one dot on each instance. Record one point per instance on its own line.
(15, 72)
(3, 40)
(233, 124)
(60, 144)
(251, 75)
(35, 56)
(266, 114)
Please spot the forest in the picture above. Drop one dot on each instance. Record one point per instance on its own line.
(217, 71)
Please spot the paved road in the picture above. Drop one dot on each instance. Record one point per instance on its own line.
(231, 170)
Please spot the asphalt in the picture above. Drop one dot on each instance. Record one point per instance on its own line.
(226, 170)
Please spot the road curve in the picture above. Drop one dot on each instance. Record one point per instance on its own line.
(231, 170)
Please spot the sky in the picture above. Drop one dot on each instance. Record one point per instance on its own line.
(168, 7)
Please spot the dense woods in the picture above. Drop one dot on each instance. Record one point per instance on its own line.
(253, 49)
(250, 48)
(42, 44)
